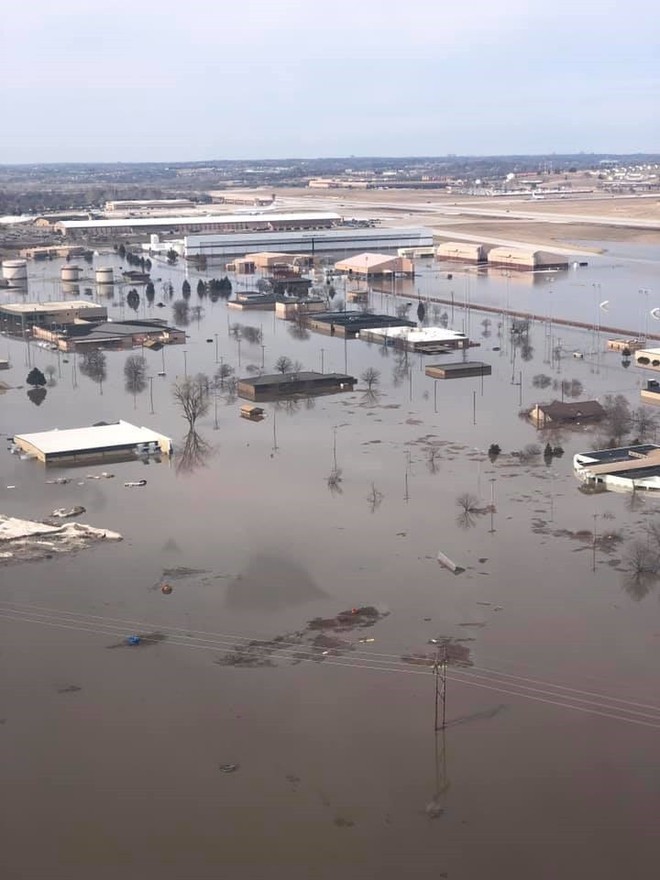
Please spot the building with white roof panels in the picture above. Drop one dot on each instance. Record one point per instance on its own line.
(73, 445)
(461, 252)
(19, 316)
(433, 340)
(201, 223)
(307, 242)
(367, 264)
(525, 260)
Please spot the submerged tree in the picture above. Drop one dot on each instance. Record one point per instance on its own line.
(185, 289)
(35, 377)
(93, 365)
(192, 397)
(150, 292)
(371, 378)
(283, 364)
(135, 374)
(181, 312)
(133, 299)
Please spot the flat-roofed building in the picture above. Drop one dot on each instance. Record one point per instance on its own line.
(121, 335)
(429, 340)
(349, 324)
(19, 317)
(199, 223)
(459, 370)
(338, 240)
(303, 384)
(625, 469)
(72, 445)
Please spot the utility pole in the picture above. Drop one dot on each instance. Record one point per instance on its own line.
(151, 393)
(440, 676)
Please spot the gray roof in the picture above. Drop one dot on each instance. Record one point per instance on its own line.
(283, 378)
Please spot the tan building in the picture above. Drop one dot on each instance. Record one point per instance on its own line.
(461, 252)
(525, 260)
(18, 317)
(369, 264)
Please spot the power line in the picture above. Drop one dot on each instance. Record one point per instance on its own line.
(470, 676)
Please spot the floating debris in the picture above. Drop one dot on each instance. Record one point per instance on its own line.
(133, 484)
(26, 541)
(166, 589)
(63, 512)
(448, 563)
(228, 768)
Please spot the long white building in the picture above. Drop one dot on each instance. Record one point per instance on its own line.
(306, 241)
(224, 223)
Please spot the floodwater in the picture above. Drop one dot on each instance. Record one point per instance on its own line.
(166, 760)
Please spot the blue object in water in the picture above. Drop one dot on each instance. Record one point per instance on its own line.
(133, 640)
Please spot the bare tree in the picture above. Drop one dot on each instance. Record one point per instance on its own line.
(646, 423)
(181, 312)
(374, 498)
(433, 456)
(618, 415)
(191, 395)
(468, 502)
(284, 364)
(223, 372)
(334, 481)
(370, 377)
(252, 335)
(93, 365)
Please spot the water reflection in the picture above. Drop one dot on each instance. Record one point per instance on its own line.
(270, 582)
(194, 454)
(37, 395)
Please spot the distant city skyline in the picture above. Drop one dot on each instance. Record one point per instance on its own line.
(138, 82)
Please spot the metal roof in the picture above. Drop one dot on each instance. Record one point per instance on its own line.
(96, 437)
(196, 220)
(418, 334)
(30, 308)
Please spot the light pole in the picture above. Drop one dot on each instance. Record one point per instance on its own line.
(263, 356)
(216, 347)
(185, 363)
(151, 393)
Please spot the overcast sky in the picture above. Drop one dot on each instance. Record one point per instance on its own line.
(140, 80)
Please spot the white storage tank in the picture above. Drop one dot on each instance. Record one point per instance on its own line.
(70, 273)
(105, 275)
(15, 272)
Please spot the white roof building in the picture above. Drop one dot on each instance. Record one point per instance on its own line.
(98, 440)
(417, 338)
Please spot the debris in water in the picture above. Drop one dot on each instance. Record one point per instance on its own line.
(447, 562)
(142, 640)
(166, 589)
(133, 640)
(135, 483)
(228, 768)
(62, 512)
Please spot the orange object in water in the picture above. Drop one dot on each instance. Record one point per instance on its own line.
(166, 588)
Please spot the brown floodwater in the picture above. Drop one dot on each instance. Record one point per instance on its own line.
(168, 759)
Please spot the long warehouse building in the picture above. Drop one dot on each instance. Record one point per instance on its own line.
(263, 222)
(333, 240)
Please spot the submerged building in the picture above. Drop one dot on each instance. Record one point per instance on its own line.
(98, 442)
(303, 384)
(427, 340)
(625, 469)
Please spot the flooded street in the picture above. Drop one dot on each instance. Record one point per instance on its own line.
(318, 759)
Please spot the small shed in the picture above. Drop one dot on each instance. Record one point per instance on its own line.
(252, 413)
